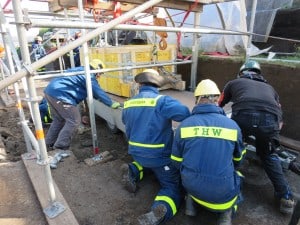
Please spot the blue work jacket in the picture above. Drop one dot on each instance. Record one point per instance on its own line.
(72, 89)
(148, 122)
(207, 147)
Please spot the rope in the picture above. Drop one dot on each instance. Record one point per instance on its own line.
(163, 35)
(179, 55)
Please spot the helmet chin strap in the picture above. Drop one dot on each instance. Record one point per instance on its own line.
(207, 99)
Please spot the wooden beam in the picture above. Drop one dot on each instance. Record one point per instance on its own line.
(173, 4)
(126, 5)
(38, 180)
(290, 143)
(58, 5)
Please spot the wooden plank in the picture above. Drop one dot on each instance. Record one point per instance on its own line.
(37, 176)
(58, 5)
(126, 5)
(180, 4)
(290, 143)
(176, 83)
(175, 4)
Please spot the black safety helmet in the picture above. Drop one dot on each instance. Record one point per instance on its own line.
(250, 65)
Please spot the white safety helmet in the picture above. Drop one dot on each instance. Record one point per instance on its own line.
(206, 88)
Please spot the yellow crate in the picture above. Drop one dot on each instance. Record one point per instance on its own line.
(120, 82)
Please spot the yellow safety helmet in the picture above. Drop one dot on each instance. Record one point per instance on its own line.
(150, 76)
(207, 87)
(97, 64)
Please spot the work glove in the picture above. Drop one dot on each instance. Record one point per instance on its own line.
(115, 105)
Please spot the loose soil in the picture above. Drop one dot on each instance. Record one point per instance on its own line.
(95, 193)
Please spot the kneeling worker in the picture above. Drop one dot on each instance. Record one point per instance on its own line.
(148, 120)
(208, 146)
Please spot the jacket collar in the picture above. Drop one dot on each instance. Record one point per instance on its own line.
(147, 88)
(207, 108)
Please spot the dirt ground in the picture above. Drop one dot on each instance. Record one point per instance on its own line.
(95, 194)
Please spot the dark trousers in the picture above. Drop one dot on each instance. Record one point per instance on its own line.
(265, 127)
(170, 193)
(66, 119)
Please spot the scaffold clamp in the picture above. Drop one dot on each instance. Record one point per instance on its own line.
(54, 209)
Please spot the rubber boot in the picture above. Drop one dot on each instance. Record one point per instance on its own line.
(225, 218)
(127, 179)
(189, 206)
(287, 205)
(154, 217)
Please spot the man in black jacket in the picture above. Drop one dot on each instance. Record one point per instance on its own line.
(257, 111)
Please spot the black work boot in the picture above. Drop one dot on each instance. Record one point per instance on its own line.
(225, 218)
(154, 217)
(127, 179)
(189, 206)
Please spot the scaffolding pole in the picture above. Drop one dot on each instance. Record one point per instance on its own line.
(54, 207)
(9, 50)
(87, 25)
(195, 54)
(86, 63)
(251, 27)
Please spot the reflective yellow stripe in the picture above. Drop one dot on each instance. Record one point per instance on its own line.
(140, 169)
(215, 206)
(49, 113)
(235, 208)
(240, 158)
(146, 145)
(168, 200)
(45, 119)
(175, 158)
(240, 174)
(213, 132)
(141, 102)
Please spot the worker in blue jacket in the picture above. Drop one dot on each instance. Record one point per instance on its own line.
(45, 112)
(148, 120)
(63, 94)
(208, 147)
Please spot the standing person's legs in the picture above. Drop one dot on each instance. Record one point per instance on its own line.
(57, 121)
(71, 115)
(265, 127)
(267, 143)
(272, 165)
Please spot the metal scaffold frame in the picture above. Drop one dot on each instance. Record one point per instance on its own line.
(27, 72)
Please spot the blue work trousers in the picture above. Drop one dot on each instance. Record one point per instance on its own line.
(170, 193)
(264, 127)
